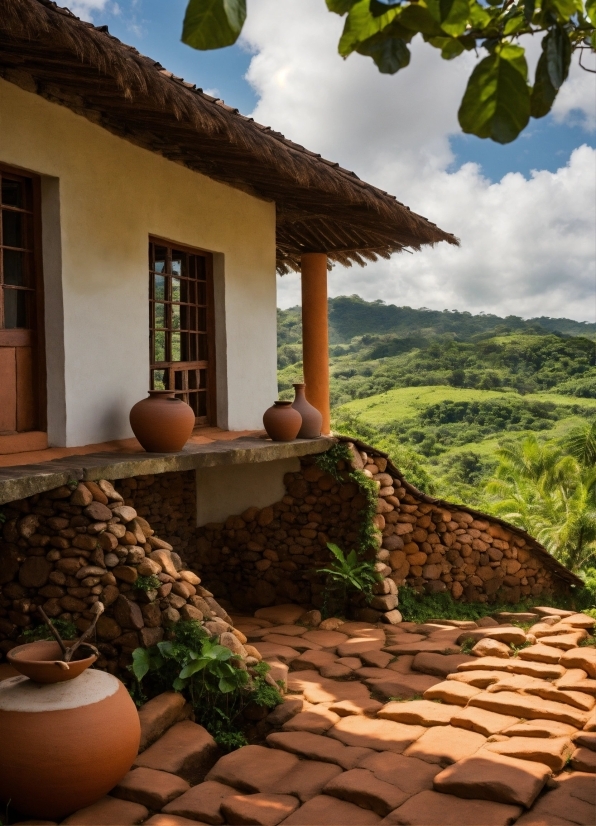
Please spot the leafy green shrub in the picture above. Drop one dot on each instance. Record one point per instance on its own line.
(65, 628)
(210, 675)
(467, 645)
(346, 576)
(147, 583)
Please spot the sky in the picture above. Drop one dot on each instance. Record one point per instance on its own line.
(525, 212)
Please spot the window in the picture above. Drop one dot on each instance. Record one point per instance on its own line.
(20, 304)
(182, 352)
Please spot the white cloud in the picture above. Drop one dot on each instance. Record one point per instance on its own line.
(527, 245)
(576, 101)
(86, 8)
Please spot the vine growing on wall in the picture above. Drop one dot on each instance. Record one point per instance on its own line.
(337, 462)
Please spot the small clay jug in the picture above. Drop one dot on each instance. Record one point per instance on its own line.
(162, 423)
(282, 422)
(312, 420)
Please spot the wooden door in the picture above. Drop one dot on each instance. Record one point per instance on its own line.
(181, 339)
(21, 370)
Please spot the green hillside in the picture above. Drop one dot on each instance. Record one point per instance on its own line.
(442, 390)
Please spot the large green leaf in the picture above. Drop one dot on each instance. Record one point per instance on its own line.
(557, 50)
(361, 25)
(340, 6)
(496, 103)
(566, 8)
(390, 54)
(141, 661)
(451, 14)
(419, 19)
(591, 11)
(551, 72)
(212, 24)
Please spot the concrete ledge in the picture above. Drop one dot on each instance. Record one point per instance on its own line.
(20, 481)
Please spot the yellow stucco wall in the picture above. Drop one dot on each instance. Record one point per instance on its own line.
(102, 198)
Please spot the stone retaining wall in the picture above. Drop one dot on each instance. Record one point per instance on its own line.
(168, 502)
(73, 546)
(266, 556)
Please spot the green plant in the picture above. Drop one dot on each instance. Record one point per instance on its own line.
(467, 645)
(213, 678)
(589, 641)
(65, 628)
(147, 583)
(517, 648)
(346, 575)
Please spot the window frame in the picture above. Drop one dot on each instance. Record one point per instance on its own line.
(34, 335)
(172, 367)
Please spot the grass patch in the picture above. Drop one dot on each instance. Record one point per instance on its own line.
(421, 608)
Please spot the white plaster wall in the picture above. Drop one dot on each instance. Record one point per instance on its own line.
(229, 490)
(107, 196)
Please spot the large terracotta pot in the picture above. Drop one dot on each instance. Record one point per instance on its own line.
(162, 423)
(312, 420)
(42, 662)
(282, 422)
(65, 745)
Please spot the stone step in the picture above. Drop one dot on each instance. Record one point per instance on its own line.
(317, 747)
(375, 734)
(488, 776)
(482, 721)
(361, 787)
(149, 787)
(186, 749)
(553, 752)
(452, 692)
(508, 702)
(329, 811)
(202, 802)
(445, 744)
(260, 809)
(419, 712)
(253, 768)
(431, 808)
(438, 665)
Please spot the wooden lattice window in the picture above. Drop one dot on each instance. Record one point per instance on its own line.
(21, 353)
(182, 351)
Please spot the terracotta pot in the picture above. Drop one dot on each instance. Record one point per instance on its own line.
(282, 422)
(162, 423)
(40, 662)
(64, 746)
(312, 420)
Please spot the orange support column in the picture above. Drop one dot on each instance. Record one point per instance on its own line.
(315, 333)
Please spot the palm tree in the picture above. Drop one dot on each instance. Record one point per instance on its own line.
(551, 495)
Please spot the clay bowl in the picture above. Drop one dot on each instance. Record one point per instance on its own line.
(39, 662)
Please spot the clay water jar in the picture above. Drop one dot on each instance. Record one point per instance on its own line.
(65, 745)
(312, 420)
(282, 422)
(42, 662)
(162, 423)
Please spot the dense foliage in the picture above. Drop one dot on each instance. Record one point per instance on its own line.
(377, 347)
(499, 99)
(214, 680)
(549, 490)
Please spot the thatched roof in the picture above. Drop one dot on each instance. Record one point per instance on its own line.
(320, 206)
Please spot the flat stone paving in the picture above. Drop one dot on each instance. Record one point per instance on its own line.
(357, 749)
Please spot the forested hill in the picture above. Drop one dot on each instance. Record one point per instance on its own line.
(351, 316)
(377, 347)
